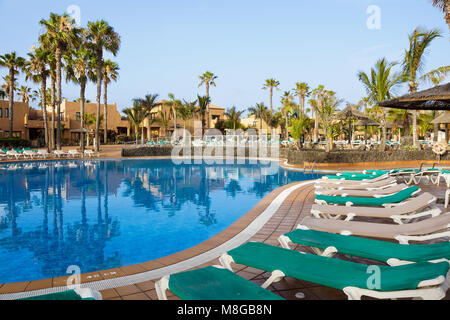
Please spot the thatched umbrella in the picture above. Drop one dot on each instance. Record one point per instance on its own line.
(350, 113)
(437, 98)
(366, 123)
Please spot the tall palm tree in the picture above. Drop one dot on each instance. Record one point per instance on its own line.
(102, 38)
(174, 105)
(234, 117)
(110, 73)
(36, 69)
(379, 85)
(79, 70)
(324, 113)
(258, 112)
(61, 34)
(302, 91)
(208, 79)
(186, 111)
(436, 76)
(319, 95)
(135, 117)
(202, 110)
(444, 5)
(26, 94)
(413, 61)
(164, 120)
(271, 84)
(14, 64)
(286, 101)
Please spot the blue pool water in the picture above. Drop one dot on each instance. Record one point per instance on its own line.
(106, 214)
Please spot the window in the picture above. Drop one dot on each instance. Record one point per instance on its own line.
(1, 112)
(6, 113)
(78, 116)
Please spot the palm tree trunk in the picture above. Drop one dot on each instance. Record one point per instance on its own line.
(11, 102)
(207, 109)
(316, 126)
(53, 102)
(82, 101)
(59, 97)
(44, 110)
(105, 111)
(99, 93)
(271, 98)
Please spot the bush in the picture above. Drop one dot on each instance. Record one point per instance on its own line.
(14, 143)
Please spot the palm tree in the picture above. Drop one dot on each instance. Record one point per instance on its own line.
(79, 70)
(444, 5)
(325, 111)
(379, 86)
(26, 94)
(413, 62)
(174, 105)
(234, 117)
(208, 79)
(61, 34)
(286, 101)
(299, 127)
(136, 117)
(436, 76)
(202, 110)
(110, 73)
(364, 102)
(90, 122)
(148, 104)
(36, 69)
(186, 111)
(102, 37)
(318, 94)
(164, 120)
(302, 91)
(14, 64)
(258, 112)
(271, 84)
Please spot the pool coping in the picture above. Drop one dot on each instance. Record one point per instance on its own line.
(238, 233)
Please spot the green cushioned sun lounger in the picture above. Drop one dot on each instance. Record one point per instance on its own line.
(212, 283)
(353, 278)
(360, 201)
(377, 250)
(354, 177)
(82, 294)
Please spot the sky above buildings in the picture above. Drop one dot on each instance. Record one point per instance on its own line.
(167, 44)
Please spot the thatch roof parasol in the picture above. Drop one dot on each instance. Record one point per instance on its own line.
(350, 113)
(444, 118)
(366, 122)
(437, 98)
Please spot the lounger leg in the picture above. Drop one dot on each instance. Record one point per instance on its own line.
(284, 242)
(161, 287)
(276, 276)
(447, 198)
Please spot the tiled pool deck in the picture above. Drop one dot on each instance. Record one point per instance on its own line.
(291, 212)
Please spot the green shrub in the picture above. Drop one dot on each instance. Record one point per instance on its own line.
(14, 143)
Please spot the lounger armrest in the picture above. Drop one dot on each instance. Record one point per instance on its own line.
(226, 260)
(406, 239)
(87, 293)
(161, 287)
(285, 242)
(401, 219)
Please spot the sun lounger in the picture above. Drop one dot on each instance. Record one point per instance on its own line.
(328, 244)
(29, 154)
(74, 154)
(362, 193)
(77, 294)
(353, 185)
(211, 283)
(424, 279)
(411, 209)
(424, 230)
(60, 154)
(90, 153)
(14, 154)
(399, 197)
(356, 177)
(44, 154)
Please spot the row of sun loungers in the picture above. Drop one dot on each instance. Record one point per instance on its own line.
(44, 154)
(412, 270)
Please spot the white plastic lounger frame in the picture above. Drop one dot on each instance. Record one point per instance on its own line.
(432, 289)
(87, 293)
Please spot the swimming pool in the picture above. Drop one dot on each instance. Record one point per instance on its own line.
(106, 214)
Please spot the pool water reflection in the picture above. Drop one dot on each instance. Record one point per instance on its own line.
(106, 214)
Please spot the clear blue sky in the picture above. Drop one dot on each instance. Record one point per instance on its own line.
(167, 44)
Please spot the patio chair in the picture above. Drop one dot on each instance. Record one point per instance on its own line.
(425, 280)
(410, 210)
(14, 154)
(328, 244)
(43, 154)
(424, 230)
(211, 283)
(362, 193)
(76, 294)
(386, 201)
(29, 154)
(91, 154)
